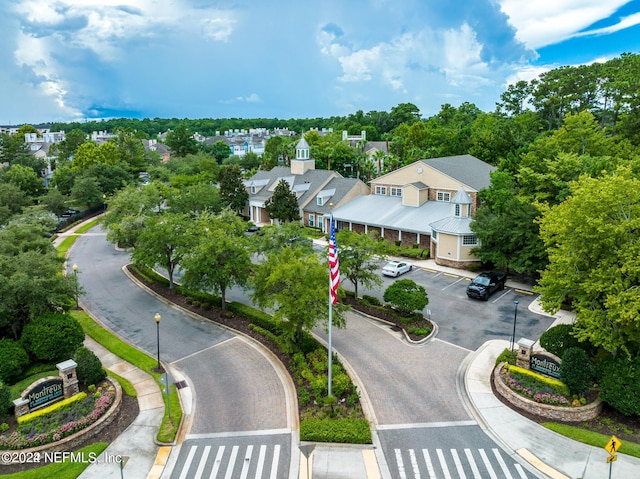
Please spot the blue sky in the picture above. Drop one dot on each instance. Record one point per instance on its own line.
(67, 60)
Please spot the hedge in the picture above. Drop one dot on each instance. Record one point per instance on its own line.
(556, 384)
(46, 410)
(347, 430)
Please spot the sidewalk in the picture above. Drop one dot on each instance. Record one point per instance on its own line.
(554, 455)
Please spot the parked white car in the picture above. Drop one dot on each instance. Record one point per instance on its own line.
(396, 268)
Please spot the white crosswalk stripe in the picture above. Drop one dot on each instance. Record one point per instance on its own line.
(454, 464)
(230, 462)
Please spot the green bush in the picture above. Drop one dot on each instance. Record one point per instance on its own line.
(620, 384)
(558, 339)
(555, 384)
(406, 296)
(507, 356)
(13, 361)
(346, 430)
(370, 300)
(89, 370)
(576, 371)
(52, 337)
(5, 399)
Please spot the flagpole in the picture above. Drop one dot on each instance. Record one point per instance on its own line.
(330, 357)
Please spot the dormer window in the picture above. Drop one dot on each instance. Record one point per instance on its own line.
(320, 201)
(253, 190)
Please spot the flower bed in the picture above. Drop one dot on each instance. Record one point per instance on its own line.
(62, 422)
(545, 404)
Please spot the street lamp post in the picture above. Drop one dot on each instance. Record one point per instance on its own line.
(515, 318)
(75, 273)
(157, 318)
(104, 202)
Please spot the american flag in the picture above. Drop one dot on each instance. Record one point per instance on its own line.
(334, 266)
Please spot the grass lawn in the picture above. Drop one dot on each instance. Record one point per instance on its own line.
(63, 470)
(87, 226)
(592, 438)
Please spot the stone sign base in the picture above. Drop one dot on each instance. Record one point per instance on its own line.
(556, 413)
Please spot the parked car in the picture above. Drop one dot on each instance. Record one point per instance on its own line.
(485, 284)
(396, 268)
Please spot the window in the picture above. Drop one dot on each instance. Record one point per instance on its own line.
(319, 200)
(312, 219)
(253, 190)
(469, 240)
(381, 190)
(434, 234)
(396, 191)
(457, 210)
(443, 196)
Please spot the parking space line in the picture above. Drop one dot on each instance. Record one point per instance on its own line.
(522, 291)
(455, 282)
(451, 275)
(501, 296)
(429, 270)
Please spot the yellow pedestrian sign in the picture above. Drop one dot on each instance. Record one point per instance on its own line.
(611, 459)
(613, 445)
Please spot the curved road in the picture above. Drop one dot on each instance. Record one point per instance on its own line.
(238, 389)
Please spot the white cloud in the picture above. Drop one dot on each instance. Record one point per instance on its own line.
(546, 22)
(626, 22)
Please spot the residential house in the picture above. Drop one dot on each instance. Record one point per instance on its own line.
(409, 204)
(160, 148)
(317, 191)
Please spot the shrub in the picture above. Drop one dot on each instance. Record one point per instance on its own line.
(13, 361)
(507, 356)
(554, 384)
(406, 296)
(5, 399)
(52, 337)
(620, 384)
(558, 339)
(347, 430)
(576, 370)
(89, 370)
(370, 300)
(81, 396)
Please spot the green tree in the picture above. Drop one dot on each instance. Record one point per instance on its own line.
(358, 256)
(131, 150)
(181, 141)
(196, 198)
(25, 179)
(86, 191)
(67, 147)
(220, 151)
(273, 238)
(594, 264)
(55, 201)
(283, 205)
(52, 337)
(232, 190)
(407, 296)
(221, 258)
(12, 201)
(13, 361)
(163, 242)
(295, 285)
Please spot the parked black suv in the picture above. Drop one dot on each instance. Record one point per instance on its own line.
(485, 284)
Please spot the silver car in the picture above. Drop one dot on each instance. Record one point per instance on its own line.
(396, 268)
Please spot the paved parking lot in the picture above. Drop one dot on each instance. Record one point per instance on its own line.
(469, 322)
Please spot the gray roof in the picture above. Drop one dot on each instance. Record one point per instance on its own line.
(340, 187)
(453, 225)
(313, 177)
(465, 168)
(389, 212)
(461, 198)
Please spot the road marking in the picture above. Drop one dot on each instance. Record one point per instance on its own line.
(503, 466)
(427, 459)
(418, 425)
(443, 464)
(520, 471)
(259, 432)
(414, 464)
(501, 296)
(455, 282)
(451, 275)
(456, 461)
(274, 465)
(187, 463)
(487, 464)
(261, 456)
(232, 462)
(472, 463)
(203, 461)
(429, 270)
(247, 462)
(216, 464)
(403, 474)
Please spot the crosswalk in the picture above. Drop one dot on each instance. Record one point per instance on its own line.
(452, 464)
(239, 461)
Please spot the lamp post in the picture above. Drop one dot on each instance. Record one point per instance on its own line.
(104, 202)
(75, 273)
(515, 318)
(157, 318)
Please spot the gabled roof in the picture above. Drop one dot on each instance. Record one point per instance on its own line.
(334, 191)
(389, 212)
(466, 169)
(452, 225)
